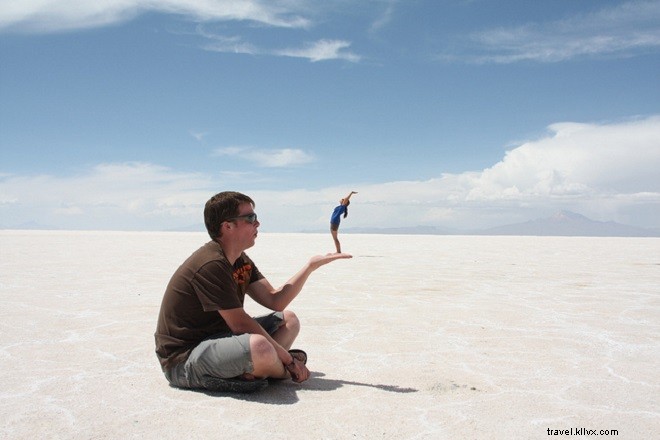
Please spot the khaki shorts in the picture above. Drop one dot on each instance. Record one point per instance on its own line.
(224, 355)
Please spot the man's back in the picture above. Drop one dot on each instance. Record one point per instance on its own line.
(202, 285)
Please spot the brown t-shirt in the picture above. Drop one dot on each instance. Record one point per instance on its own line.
(204, 284)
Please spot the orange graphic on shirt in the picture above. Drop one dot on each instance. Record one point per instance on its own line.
(242, 274)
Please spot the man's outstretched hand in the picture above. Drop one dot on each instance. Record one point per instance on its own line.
(320, 260)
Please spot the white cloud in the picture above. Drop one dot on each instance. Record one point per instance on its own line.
(198, 135)
(322, 50)
(69, 211)
(68, 15)
(597, 169)
(617, 158)
(604, 171)
(108, 196)
(58, 15)
(286, 157)
(385, 17)
(621, 31)
(228, 44)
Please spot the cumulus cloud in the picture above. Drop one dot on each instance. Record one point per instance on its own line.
(277, 158)
(620, 31)
(606, 171)
(107, 196)
(58, 15)
(581, 159)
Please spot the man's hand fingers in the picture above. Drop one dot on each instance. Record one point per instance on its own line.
(300, 373)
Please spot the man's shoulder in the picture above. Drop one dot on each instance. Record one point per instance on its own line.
(209, 252)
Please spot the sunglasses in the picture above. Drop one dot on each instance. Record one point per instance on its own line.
(249, 218)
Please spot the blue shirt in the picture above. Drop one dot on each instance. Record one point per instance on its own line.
(335, 218)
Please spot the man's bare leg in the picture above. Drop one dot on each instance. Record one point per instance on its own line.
(264, 356)
(265, 361)
(287, 333)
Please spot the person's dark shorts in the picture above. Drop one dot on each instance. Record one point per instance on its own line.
(224, 355)
(334, 226)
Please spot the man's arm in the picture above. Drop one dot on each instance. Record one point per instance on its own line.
(278, 299)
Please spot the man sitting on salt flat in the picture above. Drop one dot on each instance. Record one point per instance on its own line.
(204, 337)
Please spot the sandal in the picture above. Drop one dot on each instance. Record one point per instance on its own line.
(299, 355)
(233, 385)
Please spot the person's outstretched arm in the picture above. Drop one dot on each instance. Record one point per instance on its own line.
(348, 197)
(278, 299)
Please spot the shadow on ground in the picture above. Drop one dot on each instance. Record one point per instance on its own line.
(285, 392)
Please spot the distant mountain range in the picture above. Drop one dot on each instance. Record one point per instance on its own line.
(566, 223)
(563, 223)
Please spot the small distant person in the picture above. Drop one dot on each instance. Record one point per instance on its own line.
(335, 218)
(204, 337)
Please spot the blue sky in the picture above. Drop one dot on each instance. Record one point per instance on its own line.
(462, 114)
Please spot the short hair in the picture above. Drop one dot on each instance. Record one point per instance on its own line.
(221, 207)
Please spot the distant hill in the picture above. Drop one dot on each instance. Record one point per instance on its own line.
(563, 223)
(570, 224)
(415, 230)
